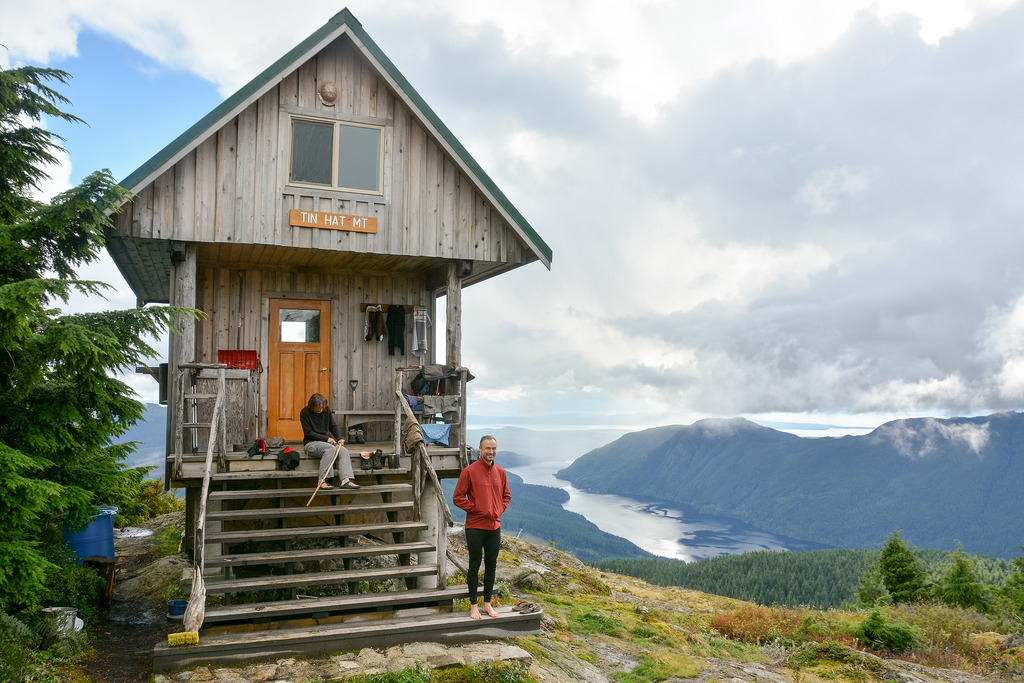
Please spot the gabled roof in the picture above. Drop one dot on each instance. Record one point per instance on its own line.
(341, 23)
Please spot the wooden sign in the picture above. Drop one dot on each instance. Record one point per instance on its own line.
(333, 221)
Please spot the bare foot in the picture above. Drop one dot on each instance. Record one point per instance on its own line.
(474, 612)
(489, 611)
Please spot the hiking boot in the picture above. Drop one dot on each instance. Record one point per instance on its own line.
(379, 461)
(364, 461)
(352, 436)
(360, 436)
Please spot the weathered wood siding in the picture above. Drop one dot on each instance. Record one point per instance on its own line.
(227, 298)
(231, 188)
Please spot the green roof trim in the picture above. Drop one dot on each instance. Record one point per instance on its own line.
(277, 71)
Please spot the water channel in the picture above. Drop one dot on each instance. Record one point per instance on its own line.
(664, 529)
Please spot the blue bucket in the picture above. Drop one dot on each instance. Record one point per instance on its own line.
(95, 539)
(176, 608)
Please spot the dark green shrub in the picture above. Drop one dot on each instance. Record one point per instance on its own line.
(882, 633)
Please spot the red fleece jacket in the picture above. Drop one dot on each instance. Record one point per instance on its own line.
(483, 493)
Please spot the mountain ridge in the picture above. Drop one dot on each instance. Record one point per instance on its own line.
(938, 480)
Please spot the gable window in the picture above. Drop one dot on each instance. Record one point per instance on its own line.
(343, 156)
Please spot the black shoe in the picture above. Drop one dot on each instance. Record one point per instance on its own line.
(365, 461)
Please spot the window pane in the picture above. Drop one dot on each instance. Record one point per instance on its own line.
(299, 325)
(359, 158)
(312, 148)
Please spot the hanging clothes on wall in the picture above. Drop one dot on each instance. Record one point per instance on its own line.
(420, 323)
(373, 328)
(396, 329)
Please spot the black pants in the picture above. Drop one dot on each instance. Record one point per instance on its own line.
(486, 542)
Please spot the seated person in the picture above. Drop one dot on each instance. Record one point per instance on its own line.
(318, 440)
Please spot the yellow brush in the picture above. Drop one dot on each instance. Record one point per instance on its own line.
(186, 638)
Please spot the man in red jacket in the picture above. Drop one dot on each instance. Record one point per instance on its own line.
(483, 493)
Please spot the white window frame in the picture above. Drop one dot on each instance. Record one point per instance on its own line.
(335, 162)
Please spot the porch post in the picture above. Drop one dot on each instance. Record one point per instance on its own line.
(453, 317)
(181, 349)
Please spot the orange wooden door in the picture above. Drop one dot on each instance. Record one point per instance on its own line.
(300, 361)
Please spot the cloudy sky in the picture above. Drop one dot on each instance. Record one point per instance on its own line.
(795, 211)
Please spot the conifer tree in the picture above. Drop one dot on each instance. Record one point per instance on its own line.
(60, 403)
(871, 590)
(901, 572)
(1010, 598)
(960, 585)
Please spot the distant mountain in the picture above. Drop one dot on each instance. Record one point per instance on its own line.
(151, 434)
(938, 481)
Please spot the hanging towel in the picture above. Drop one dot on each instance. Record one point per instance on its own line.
(436, 433)
(420, 322)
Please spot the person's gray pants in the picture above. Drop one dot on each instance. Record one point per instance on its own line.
(325, 451)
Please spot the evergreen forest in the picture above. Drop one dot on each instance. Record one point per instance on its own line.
(812, 578)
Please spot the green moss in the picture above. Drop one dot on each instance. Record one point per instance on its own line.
(588, 623)
(660, 667)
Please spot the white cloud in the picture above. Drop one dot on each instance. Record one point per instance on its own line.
(1001, 344)
(754, 208)
(826, 188)
(919, 438)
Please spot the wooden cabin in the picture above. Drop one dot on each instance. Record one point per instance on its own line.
(321, 198)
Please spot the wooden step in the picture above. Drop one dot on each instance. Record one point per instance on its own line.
(450, 627)
(334, 531)
(263, 583)
(303, 492)
(317, 554)
(311, 511)
(334, 604)
(294, 474)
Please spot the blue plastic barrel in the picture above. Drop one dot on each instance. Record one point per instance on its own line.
(95, 539)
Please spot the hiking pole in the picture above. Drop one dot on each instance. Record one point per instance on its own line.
(326, 474)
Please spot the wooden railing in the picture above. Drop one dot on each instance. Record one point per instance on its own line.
(196, 609)
(424, 461)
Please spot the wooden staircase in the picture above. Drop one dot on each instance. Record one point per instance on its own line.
(357, 568)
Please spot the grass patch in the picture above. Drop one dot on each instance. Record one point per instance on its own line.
(167, 542)
(588, 623)
(659, 667)
(484, 672)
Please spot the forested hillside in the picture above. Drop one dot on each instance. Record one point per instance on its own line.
(815, 578)
(938, 481)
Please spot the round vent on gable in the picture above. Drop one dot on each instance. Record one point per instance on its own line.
(328, 92)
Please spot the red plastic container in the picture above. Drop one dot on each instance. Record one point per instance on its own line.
(243, 360)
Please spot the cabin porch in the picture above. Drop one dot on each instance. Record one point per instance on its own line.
(288, 569)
